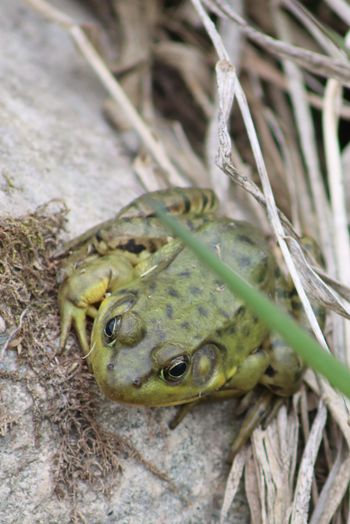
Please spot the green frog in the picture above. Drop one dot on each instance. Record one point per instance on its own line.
(166, 331)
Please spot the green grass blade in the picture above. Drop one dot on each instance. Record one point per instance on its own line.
(306, 346)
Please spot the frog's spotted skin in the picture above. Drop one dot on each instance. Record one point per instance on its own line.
(167, 331)
(173, 315)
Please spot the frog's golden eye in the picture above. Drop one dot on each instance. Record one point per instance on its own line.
(112, 327)
(176, 369)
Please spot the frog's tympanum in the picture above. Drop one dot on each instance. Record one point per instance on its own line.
(166, 330)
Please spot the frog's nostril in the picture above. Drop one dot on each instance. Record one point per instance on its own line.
(137, 382)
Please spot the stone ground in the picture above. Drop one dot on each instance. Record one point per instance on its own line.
(55, 143)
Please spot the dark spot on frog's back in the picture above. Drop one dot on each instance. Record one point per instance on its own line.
(245, 261)
(261, 270)
(232, 330)
(202, 311)
(185, 325)
(173, 292)
(245, 239)
(185, 274)
(223, 313)
(169, 311)
(246, 331)
(195, 290)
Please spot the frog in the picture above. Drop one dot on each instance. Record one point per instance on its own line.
(166, 331)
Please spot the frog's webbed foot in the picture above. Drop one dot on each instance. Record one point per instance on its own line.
(261, 411)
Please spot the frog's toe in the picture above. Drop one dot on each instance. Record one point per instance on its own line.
(80, 328)
(66, 324)
(73, 314)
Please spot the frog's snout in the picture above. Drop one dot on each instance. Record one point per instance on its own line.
(121, 375)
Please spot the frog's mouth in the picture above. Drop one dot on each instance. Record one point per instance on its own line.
(128, 400)
(150, 389)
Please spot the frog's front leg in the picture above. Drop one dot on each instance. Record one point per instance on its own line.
(247, 376)
(86, 286)
(284, 374)
(285, 371)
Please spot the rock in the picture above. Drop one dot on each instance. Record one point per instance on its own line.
(55, 144)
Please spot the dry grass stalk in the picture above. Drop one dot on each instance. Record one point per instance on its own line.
(333, 489)
(302, 494)
(318, 64)
(270, 470)
(342, 8)
(270, 73)
(306, 131)
(274, 452)
(233, 482)
(337, 196)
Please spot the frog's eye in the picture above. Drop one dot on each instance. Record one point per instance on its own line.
(112, 328)
(176, 369)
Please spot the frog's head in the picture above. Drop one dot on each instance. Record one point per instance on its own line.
(136, 361)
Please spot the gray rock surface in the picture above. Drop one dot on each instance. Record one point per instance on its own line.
(54, 143)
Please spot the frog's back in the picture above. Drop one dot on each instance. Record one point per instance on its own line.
(238, 244)
(191, 302)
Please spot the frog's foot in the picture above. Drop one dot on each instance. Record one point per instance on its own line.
(76, 298)
(258, 413)
(87, 285)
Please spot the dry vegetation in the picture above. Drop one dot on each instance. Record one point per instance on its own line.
(175, 69)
